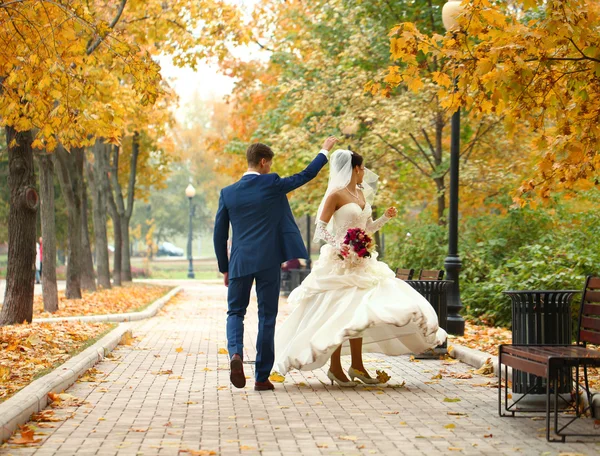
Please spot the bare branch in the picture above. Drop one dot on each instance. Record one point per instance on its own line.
(422, 151)
(406, 157)
(96, 43)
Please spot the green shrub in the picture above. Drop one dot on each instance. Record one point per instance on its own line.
(523, 249)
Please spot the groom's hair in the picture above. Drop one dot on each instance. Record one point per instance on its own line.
(256, 152)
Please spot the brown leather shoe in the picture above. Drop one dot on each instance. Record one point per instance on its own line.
(263, 386)
(237, 377)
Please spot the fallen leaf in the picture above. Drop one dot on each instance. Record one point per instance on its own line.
(26, 437)
(450, 426)
(352, 438)
(179, 349)
(457, 414)
(486, 369)
(223, 351)
(246, 447)
(4, 373)
(277, 377)
(127, 339)
(488, 436)
(197, 452)
(322, 445)
(455, 399)
(454, 449)
(382, 376)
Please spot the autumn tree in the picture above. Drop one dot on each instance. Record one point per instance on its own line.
(322, 55)
(535, 64)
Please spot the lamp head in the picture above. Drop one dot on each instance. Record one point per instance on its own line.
(190, 191)
(450, 12)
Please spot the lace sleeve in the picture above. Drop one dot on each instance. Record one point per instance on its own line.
(373, 226)
(322, 233)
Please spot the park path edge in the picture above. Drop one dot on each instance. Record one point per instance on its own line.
(34, 397)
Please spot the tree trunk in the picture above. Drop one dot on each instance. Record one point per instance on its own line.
(107, 177)
(88, 276)
(24, 200)
(49, 288)
(125, 211)
(441, 200)
(95, 178)
(70, 182)
(126, 275)
(439, 181)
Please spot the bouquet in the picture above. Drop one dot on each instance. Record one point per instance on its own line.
(359, 243)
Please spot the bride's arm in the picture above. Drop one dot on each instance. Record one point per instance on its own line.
(373, 226)
(321, 231)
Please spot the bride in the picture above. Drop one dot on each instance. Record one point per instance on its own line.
(358, 300)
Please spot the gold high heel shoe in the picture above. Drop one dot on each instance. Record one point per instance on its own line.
(333, 378)
(354, 373)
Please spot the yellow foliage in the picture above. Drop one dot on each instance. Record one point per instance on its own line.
(541, 73)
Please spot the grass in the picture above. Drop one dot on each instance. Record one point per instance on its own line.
(177, 269)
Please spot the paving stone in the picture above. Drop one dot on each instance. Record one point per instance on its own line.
(170, 391)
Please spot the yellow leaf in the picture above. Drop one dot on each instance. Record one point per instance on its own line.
(277, 377)
(352, 438)
(179, 349)
(442, 79)
(223, 351)
(450, 426)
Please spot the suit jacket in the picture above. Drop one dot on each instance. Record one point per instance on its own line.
(265, 233)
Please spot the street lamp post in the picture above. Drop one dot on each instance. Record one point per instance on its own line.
(190, 192)
(452, 263)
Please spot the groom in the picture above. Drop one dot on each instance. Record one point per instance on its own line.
(264, 236)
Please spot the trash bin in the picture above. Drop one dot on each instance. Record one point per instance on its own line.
(435, 291)
(297, 276)
(541, 317)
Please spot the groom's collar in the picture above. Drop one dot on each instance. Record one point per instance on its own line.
(251, 173)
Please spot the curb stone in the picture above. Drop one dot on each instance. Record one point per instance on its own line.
(477, 358)
(34, 397)
(130, 316)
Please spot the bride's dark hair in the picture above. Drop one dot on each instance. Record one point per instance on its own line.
(357, 160)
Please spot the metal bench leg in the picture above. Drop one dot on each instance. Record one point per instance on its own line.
(590, 396)
(548, 408)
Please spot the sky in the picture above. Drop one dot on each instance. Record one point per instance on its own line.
(207, 81)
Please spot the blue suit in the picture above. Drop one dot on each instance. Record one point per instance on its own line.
(265, 235)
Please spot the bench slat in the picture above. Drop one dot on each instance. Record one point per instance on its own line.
(591, 337)
(591, 309)
(590, 323)
(592, 296)
(594, 282)
(525, 365)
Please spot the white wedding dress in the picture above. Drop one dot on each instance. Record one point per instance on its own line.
(338, 302)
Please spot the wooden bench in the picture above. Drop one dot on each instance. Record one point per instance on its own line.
(431, 274)
(404, 274)
(556, 364)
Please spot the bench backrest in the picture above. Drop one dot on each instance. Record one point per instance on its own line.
(435, 274)
(404, 274)
(589, 314)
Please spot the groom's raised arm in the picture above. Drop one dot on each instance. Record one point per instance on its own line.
(221, 235)
(287, 184)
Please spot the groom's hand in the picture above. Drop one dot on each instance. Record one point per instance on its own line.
(226, 279)
(329, 143)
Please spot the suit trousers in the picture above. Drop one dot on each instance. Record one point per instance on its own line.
(238, 298)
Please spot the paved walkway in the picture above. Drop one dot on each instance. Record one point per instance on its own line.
(169, 394)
